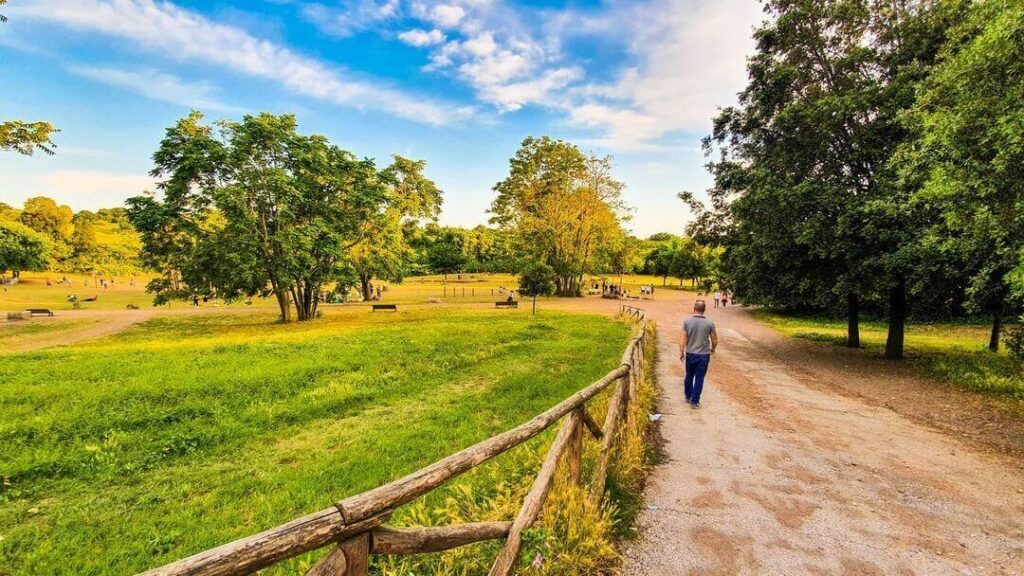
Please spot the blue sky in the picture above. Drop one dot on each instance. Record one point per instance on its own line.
(458, 83)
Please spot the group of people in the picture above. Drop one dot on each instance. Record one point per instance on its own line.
(101, 282)
(722, 298)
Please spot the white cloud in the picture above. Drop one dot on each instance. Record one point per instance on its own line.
(422, 38)
(447, 15)
(690, 59)
(182, 34)
(511, 96)
(158, 86)
(351, 16)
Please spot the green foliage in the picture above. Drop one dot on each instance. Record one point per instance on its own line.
(258, 205)
(1015, 342)
(26, 137)
(537, 279)
(384, 251)
(967, 159)
(561, 207)
(141, 465)
(806, 201)
(22, 248)
(445, 255)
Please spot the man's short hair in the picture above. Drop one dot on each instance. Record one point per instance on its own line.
(699, 306)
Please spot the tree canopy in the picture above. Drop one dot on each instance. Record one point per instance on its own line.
(562, 207)
(253, 206)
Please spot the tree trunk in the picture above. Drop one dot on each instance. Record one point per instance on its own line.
(852, 320)
(534, 304)
(897, 320)
(364, 286)
(997, 328)
(664, 280)
(282, 302)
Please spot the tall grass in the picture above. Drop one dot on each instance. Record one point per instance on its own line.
(573, 537)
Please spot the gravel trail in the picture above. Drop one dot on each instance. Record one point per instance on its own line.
(778, 475)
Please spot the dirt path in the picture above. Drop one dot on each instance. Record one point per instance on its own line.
(780, 474)
(81, 327)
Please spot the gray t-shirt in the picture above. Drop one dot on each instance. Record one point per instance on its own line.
(698, 334)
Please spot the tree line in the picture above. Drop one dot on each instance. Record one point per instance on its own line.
(874, 162)
(254, 207)
(46, 235)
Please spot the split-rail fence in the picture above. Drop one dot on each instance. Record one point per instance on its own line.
(355, 526)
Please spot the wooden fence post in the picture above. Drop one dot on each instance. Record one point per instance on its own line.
(574, 453)
(350, 558)
(610, 422)
(534, 501)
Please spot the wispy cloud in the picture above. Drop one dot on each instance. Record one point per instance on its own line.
(690, 58)
(158, 86)
(495, 53)
(350, 16)
(181, 34)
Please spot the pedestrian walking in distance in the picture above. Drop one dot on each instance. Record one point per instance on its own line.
(697, 342)
(718, 298)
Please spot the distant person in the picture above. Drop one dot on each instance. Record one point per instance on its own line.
(725, 299)
(718, 298)
(195, 300)
(697, 343)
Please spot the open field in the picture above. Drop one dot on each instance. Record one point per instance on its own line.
(32, 291)
(184, 432)
(955, 353)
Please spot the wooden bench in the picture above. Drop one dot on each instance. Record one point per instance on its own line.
(39, 311)
(392, 307)
(506, 304)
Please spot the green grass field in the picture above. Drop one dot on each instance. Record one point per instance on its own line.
(186, 432)
(955, 353)
(32, 291)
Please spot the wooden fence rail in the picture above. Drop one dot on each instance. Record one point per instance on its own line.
(355, 525)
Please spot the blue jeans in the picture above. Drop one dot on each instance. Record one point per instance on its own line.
(696, 368)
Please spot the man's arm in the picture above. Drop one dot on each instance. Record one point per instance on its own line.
(682, 343)
(714, 341)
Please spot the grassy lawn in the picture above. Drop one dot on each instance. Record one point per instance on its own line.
(955, 353)
(12, 332)
(32, 291)
(186, 432)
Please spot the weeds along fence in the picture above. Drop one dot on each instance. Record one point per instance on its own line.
(354, 527)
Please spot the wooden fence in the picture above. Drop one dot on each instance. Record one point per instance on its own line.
(638, 313)
(355, 525)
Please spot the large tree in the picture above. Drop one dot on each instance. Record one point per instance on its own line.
(254, 205)
(968, 159)
(561, 206)
(804, 196)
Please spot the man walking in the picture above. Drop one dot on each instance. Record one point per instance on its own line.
(697, 343)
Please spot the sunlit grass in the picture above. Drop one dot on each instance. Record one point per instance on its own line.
(956, 353)
(186, 432)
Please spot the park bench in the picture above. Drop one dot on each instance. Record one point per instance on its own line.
(392, 307)
(39, 311)
(506, 304)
